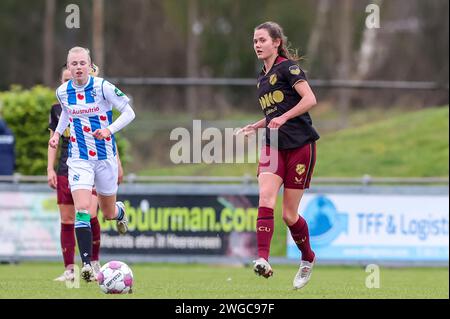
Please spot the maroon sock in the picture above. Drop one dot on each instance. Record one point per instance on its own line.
(300, 234)
(95, 228)
(264, 231)
(68, 243)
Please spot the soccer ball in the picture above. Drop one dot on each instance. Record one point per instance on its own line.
(115, 277)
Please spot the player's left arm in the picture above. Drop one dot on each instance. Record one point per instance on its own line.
(121, 103)
(127, 115)
(306, 103)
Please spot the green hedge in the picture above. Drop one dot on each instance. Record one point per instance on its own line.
(27, 113)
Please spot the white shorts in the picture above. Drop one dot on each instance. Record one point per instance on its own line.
(84, 174)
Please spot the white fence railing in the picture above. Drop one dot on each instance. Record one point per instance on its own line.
(248, 179)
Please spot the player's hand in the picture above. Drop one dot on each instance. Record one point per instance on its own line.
(54, 140)
(51, 178)
(247, 130)
(120, 175)
(100, 134)
(277, 122)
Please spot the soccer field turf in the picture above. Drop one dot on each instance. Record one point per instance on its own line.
(192, 281)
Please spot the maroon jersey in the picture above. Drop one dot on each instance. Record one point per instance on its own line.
(276, 95)
(55, 113)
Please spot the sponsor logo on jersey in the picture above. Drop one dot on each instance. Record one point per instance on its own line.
(118, 92)
(271, 98)
(294, 70)
(85, 111)
(273, 79)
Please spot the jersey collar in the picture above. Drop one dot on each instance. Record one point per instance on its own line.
(82, 86)
(277, 61)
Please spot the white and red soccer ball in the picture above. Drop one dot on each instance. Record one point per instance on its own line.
(115, 277)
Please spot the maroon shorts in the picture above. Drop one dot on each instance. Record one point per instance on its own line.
(63, 194)
(294, 166)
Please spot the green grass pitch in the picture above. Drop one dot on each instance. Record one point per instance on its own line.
(198, 281)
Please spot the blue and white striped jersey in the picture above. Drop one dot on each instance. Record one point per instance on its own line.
(90, 108)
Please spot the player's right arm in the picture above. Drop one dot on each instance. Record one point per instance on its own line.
(251, 128)
(260, 124)
(62, 125)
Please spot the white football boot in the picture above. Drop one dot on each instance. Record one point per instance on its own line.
(262, 267)
(122, 225)
(303, 274)
(67, 275)
(87, 273)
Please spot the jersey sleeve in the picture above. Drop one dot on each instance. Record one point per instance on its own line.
(293, 73)
(114, 96)
(126, 116)
(63, 121)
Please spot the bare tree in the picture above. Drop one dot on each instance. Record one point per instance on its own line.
(48, 40)
(97, 34)
(345, 57)
(194, 30)
(317, 30)
(367, 50)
